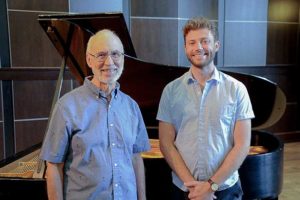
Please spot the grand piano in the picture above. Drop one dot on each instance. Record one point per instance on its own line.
(23, 175)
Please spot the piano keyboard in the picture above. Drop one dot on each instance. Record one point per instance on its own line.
(21, 169)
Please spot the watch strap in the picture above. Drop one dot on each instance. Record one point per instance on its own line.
(210, 181)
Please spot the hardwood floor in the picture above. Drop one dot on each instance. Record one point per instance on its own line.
(291, 177)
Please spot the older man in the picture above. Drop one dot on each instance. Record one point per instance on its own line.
(96, 133)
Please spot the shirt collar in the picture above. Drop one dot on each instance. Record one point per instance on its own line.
(215, 76)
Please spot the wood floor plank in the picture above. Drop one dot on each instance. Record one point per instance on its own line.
(291, 172)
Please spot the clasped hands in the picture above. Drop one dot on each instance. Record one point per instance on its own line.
(199, 190)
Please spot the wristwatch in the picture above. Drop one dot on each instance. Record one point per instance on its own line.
(214, 186)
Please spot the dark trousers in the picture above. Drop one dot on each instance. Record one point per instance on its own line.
(233, 193)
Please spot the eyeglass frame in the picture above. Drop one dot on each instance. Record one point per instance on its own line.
(115, 59)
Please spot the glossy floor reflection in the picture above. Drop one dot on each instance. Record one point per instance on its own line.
(291, 177)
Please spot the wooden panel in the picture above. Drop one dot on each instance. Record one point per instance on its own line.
(281, 43)
(182, 59)
(244, 44)
(53, 5)
(171, 8)
(293, 136)
(29, 133)
(92, 6)
(1, 141)
(245, 10)
(32, 99)
(155, 40)
(284, 10)
(192, 8)
(29, 44)
(1, 97)
(33, 73)
(154, 8)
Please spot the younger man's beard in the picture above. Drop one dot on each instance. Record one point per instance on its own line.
(200, 66)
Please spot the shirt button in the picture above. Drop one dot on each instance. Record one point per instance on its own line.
(113, 144)
(116, 185)
(109, 106)
(115, 164)
(111, 125)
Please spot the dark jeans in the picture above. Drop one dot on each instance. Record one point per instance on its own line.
(233, 193)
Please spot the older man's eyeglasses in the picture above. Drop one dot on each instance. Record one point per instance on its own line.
(102, 56)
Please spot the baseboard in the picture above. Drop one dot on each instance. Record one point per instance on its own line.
(292, 136)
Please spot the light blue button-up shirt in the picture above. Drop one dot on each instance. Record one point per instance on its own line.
(204, 121)
(96, 139)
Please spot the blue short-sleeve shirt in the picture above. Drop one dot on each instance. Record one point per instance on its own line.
(96, 140)
(204, 121)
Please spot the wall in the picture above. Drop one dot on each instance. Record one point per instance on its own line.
(261, 38)
(258, 37)
(30, 47)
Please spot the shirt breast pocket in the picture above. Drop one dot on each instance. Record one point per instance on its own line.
(127, 125)
(225, 120)
(227, 113)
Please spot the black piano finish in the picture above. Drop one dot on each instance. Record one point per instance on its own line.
(261, 175)
(144, 82)
(16, 188)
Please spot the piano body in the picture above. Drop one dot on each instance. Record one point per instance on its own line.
(20, 176)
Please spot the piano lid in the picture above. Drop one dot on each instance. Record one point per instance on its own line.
(69, 34)
(144, 81)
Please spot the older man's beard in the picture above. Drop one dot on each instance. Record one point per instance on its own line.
(116, 75)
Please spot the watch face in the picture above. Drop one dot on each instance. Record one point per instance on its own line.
(214, 187)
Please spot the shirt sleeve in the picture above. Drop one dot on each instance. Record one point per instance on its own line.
(56, 141)
(164, 113)
(142, 141)
(244, 106)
